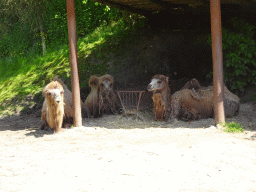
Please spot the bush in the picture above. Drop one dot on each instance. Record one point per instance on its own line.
(239, 53)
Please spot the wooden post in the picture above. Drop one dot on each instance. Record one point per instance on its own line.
(217, 61)
(73, 60)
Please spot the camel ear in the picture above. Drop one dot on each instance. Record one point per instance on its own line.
(167, 79)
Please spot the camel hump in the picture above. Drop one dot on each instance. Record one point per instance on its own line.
(231, 103)
(192, 84)
(93, 81)
(107, 77)
(56, 78)
(196, 94)
(230, 95)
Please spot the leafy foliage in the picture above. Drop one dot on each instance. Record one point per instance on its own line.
(23, 24)
(91, 14)
(239, 54)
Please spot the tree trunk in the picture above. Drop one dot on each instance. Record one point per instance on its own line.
(43, 39)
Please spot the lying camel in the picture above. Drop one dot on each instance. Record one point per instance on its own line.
(57, 109)
(194, 102)
(107, 97)
(102, 98)
(53, 106)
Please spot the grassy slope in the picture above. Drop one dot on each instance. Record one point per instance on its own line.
(25, 76)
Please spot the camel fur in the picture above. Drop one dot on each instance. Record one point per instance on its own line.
(194, 102)
(49, 105)
(107, 97)
(53, 106)
(69, 102)
(161, 96)
(92, 100)
(102, 99)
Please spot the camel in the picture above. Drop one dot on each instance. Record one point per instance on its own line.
(102, 99)
(194, 102)
(53, 106)
(161, 97)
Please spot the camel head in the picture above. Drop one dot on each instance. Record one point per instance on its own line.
(158, 83)
(54, 92)
(106, 84)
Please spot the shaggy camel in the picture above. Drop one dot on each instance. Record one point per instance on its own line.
(161, 96)
(57, 109)
(107, 97)
(102, 98)
(53, 106)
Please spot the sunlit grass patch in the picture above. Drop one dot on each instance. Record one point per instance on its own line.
(232, 127)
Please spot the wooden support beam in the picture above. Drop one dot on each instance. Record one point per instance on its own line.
(217, 61)
(73, 61)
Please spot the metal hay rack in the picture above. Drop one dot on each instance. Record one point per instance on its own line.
(133, 100)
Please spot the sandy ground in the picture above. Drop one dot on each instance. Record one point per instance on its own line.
(113, 153)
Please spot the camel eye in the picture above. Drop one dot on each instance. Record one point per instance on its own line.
(159, 82)
(61, 92)
(49, 93)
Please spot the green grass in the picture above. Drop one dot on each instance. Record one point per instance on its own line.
(232, 127)
(28, 74)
